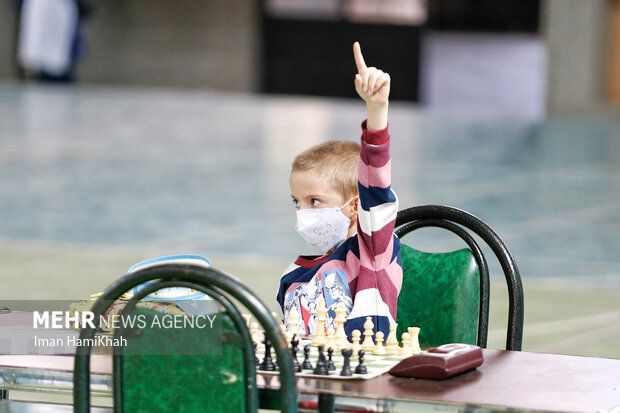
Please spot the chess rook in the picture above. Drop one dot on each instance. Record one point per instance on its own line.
(346, 364)
(414, 342)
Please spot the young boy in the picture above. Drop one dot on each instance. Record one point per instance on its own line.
(346, 211)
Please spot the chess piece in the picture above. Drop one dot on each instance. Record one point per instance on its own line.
(379, 347)
(331, 339)
(267, 364)
(405, 351)
(321, 312)
(256, 361)
(391, 343)
(361, 367)
(330, 361)
(293, 322)
(368, 344)
(288, 333)
(414, 341)
(275, 317)
(280, 323)
(321, 365)
(340, 339)
(247, 318)
(346, 365)
(356, 337)
(306, 364)
(254, 332)
(294, 350)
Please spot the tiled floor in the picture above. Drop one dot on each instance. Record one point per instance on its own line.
(93, 180)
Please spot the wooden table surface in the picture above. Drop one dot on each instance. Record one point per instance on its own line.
(510, 379)
(506, 379)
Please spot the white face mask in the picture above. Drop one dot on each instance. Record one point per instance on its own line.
(323, 228)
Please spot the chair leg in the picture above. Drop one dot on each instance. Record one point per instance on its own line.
(326, 402)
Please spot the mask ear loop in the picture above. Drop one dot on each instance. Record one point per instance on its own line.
(347, 203)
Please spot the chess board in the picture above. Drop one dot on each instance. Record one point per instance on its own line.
(376, 365)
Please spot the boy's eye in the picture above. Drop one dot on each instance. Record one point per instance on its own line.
(295, 203)
(315, 202)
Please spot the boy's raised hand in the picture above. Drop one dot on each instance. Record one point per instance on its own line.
(372, 84)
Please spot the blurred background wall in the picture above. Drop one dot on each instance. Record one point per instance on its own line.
(536, 55)
(186, 43)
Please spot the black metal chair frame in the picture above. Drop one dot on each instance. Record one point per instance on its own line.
(212, 282)
(454, 219)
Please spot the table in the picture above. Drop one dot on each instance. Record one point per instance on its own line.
(521, 381)
(506, 380)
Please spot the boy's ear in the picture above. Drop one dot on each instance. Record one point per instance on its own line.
(353, 216)
(354, 205)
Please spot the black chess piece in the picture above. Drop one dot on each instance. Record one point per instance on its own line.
(361, 367)
(330, 362)
(346, 365)
(267, 364)
(294, 350)
(321, 365)
(306, 364)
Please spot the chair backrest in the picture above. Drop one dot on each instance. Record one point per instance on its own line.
(441, 295)
(437, 303)
(172, 369)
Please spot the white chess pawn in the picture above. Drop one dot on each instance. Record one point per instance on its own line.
(391, 343)
(331, 339)
(379, 347)
(405, 351)
(414, 341)
(254, 332)
(247, 318)
(356, 337)
(368, 345)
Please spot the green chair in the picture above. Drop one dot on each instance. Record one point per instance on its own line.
(186, 369)
(447, 294)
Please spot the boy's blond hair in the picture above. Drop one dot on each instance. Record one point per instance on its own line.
(335, 162)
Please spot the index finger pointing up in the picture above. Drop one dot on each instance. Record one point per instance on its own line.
(359, 59)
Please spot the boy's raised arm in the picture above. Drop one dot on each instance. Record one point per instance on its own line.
(373, 86)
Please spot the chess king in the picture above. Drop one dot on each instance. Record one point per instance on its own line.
(346, 211)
